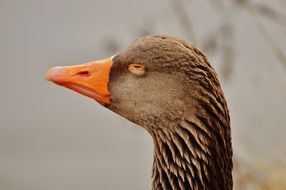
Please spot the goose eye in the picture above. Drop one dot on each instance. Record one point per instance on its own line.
(137, 69)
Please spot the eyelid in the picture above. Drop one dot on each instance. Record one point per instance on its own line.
(136, 66)
(137, 69)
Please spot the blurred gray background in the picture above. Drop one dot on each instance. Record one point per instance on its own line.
(53, 138)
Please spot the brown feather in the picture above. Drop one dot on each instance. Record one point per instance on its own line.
(179, 101)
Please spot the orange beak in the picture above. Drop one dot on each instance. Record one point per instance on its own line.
(90, 79)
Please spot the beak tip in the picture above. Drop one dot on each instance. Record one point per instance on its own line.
(53, 73)
(47, 77)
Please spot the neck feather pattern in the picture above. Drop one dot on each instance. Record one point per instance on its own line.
(192, 155)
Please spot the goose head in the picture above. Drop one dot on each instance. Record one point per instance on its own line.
(167, 86)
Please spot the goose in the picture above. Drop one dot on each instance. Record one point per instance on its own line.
(167, 86)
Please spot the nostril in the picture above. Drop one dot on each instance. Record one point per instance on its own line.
(83, 73)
